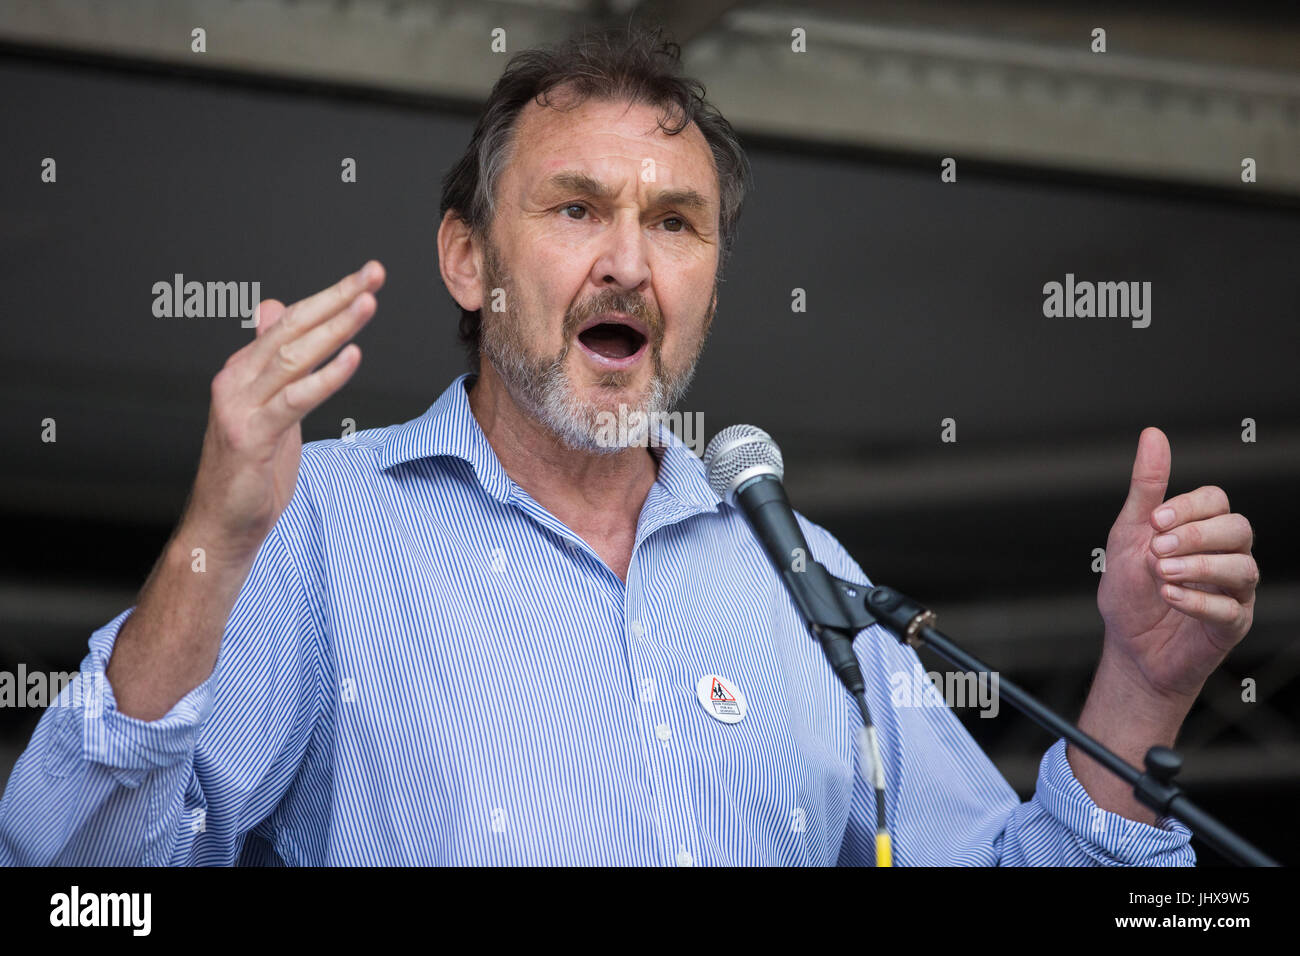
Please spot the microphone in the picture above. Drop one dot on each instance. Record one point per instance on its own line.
(745, 469)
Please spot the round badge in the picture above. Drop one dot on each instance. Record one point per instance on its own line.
(720, 698)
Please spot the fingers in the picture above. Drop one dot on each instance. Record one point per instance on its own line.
(269, 311)
(1229, 532)
(1235, 574)
(244, 363)
(1218, 609)
(1150, 476)
(296, 357)
(311, 311)
(308, 331)
(1205, 502)
(300, 397)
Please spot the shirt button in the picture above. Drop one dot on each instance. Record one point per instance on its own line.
(683, 858)
(663, 732)
(637, 630)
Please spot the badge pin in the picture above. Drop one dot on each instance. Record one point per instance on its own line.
(720, 698)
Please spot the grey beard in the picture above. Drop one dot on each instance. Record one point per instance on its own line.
(544, 391)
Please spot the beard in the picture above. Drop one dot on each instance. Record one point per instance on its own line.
(542, 387)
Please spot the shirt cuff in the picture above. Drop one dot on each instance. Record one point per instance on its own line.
(1109, 838)
(129, 747)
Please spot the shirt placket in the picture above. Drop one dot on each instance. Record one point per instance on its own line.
(661, 727)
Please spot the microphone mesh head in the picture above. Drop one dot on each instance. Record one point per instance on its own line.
(737, 449)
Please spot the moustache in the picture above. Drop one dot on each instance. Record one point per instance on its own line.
(632, 305)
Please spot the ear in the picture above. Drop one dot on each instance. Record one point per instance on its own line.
(459, 262)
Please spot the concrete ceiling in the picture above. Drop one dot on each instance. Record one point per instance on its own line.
(1183, 92)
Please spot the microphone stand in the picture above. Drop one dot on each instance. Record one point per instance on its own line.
(913, 625)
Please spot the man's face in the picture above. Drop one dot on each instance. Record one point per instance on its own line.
(605, 251)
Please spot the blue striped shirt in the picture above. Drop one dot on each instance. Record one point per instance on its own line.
(424, 666)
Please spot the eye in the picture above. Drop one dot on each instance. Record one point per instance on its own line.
(574, 205)
(681, 223)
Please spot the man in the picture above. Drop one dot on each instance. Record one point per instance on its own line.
(491, 635)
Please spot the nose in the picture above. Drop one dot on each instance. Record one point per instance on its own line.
(623, 262)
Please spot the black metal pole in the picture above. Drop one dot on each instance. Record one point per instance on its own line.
(913, 624)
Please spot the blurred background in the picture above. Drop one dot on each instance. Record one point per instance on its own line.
(924, 298)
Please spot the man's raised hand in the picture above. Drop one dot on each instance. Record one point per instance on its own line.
(1178, 592)
(253, 445)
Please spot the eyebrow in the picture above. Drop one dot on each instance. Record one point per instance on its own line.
(569, 181)
(680, 198)
(572, 181)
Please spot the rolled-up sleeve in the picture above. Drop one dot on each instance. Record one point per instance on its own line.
(1093, 835)
(948, 805)
(946, 802)
(96, 786)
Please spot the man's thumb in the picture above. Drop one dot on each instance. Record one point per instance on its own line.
(1150, 477)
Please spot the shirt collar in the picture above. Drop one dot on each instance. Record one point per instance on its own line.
(449, 428)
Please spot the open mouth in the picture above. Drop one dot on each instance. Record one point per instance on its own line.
(613, 342)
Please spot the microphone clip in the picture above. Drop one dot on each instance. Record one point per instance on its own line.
(859, 606)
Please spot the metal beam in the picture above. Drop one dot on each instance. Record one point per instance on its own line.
(883, 85)
(439, 47)
(979, 97)
(684, 20)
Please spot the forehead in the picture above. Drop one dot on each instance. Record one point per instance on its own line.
(606, 136)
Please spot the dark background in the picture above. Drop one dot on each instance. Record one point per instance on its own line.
(924, 302)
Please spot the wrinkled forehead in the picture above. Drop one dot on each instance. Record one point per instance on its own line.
(617, 137)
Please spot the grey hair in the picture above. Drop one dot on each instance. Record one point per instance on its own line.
(636, 65)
